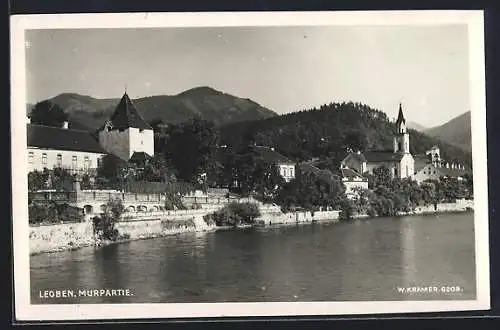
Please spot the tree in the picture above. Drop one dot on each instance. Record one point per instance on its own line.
(48, 113)
(38, 179)
(191, 147)
(267, 181)
(61, 179)
(381, 177)
(156, 170)
(310, 191)
(113, 171)
(104, 225)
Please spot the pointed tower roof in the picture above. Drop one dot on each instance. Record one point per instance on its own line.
(401, 117)
(126, 115)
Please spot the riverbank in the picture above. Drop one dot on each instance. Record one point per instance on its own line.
(63, 237)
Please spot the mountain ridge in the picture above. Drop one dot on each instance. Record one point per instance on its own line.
(202, 101)
(456, 131)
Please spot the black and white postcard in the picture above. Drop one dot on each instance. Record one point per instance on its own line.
(182, 165)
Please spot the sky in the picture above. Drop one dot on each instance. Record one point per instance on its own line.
(285, 69)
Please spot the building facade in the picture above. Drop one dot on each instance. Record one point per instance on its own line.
(53, 147)
(434, 172)
(353, 182)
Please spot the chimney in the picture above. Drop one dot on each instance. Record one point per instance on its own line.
(65, 124)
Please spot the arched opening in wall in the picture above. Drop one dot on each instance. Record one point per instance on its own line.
(131, 208)
(142, 208)
(88, 209)
(154, 209)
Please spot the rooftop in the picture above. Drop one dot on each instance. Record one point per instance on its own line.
(47, 137)
(351, 174)
(382, 156)
(272, 156)
(126, 115)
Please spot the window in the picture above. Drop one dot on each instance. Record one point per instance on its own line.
(44, 159)
(98, 162)
(395, 172)
(30, 157)
(284, 172)
(291, 172)
(86, 162)
(59, 160)
(74, 160)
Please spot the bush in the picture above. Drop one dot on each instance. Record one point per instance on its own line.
(234, 214)
(53, 213)
(174, 202)
(104, 225)
(346, 209)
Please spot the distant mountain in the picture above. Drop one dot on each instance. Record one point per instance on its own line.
(205, 102)
(415, 126)
(456, 132)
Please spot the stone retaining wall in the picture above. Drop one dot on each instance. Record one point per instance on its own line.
(273, 218)
(60, 237)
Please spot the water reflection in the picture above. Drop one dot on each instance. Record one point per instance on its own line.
(359, 260)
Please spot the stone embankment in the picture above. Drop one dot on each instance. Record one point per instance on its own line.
(60, 237)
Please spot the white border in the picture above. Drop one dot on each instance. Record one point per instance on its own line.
(24, 311)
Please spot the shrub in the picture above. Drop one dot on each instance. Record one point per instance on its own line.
(346, 209)
(234, 214)
(104, 225)
(53, 213)
(174, 202)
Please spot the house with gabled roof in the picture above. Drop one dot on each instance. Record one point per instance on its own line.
(285, 166)
(62, 147)
(398, 160)
(353, 181)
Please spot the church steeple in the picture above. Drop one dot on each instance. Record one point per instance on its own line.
(401, 121)
(402, 138)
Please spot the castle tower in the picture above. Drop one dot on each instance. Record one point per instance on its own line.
(126, 132)
(402, 138)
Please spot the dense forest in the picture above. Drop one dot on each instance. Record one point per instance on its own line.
(329, 131)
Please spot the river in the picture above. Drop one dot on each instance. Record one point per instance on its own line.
(361, 260)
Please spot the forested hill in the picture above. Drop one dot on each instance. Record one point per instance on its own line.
(329, 131)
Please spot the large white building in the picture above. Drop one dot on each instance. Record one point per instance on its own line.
(51, 147)
(126, 135)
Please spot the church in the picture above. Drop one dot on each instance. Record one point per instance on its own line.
(398, 160)
(125, 135)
